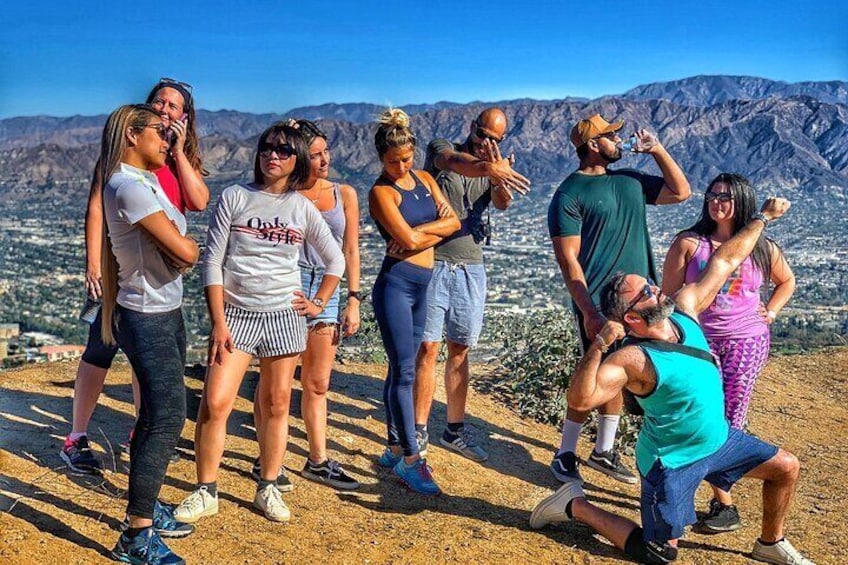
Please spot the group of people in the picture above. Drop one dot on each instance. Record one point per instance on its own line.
(278, 247)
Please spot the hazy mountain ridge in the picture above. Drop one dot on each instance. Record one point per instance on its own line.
(793, 141)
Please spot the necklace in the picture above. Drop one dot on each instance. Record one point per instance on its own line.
(320, 191)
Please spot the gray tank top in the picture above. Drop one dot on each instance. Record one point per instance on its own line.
(335, 219)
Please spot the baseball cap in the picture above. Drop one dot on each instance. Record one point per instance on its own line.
(592, 127)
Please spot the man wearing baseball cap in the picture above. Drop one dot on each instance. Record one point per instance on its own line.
(597, 223)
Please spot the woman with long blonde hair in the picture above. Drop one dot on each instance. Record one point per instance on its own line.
(144, 254)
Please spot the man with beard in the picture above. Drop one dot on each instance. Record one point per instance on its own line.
(666, 363)
(597, 226)
(472, 175)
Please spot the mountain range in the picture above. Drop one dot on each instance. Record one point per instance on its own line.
(792, 136)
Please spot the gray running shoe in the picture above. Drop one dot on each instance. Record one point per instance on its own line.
(283, 482)
(609, 463)
(423, 438)
(565, 467)
(329, 473)
(465, 444)
(79, 457)
(721, 518)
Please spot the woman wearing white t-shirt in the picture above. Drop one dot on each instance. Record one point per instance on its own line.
(257, 307)
(145, 253)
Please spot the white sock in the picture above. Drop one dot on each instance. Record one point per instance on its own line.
(570, 434)
(607, 426)
(73, 436)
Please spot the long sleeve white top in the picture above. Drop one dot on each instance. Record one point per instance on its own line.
(253, 244)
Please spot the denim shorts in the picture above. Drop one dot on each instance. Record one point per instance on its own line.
(310, 278)
(668, 495)
(456, 297)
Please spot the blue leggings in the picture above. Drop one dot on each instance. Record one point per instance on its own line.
(400, 306)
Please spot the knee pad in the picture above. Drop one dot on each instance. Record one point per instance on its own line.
(650, 552)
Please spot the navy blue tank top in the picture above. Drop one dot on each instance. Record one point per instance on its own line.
(416, 206)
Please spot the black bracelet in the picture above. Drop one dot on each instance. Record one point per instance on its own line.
(355, 294)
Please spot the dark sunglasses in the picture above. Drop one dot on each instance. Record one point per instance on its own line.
(646, 292)
(611, 135)
(720, 196)
(283, 151)
(160, 128)
(165, 81)
(480, 133)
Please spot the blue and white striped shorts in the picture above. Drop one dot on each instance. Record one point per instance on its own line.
(266, 334)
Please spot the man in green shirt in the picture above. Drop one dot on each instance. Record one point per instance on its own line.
(666, 363)
(598, 226)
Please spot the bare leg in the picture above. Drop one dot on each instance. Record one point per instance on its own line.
(425, 380)
(779, 475)
(722, 496)
(274, 398)
(315, 370)
(613, 527)
(456, 381)
(87, 388)
(219, 395)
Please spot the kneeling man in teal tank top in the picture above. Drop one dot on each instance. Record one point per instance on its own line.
(666, 363)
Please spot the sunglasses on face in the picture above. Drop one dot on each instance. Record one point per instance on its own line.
(163, 132)
(720, 196)
(646, 293)
(611, 135)
(283, 151)
(480, 133)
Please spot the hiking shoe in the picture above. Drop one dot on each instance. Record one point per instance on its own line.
(164, 522)
(609, 463)
(270, 501)
(552, 508)
(389, 459)
(79, 457)
(146, 547)
(196, 505)
(721, 518)
(464, 444)
(329, 473)
(781, 553)
(423, 438)
(417, 476)
(283, 482)
(565, 467)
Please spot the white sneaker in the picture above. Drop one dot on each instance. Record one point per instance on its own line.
(270, 501)
(552, 509)
(781, 553)
(197, 505)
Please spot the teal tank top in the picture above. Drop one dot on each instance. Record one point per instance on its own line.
(684, 415)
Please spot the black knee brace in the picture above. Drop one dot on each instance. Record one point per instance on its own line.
(649, 552)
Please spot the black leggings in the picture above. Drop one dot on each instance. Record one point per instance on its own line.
(400, 306)
(155, 345)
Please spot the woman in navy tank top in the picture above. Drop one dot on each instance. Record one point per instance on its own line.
(413, 216)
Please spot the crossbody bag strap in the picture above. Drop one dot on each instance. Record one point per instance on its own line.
(676, 348)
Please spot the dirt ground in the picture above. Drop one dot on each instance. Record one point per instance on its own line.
(48, 515)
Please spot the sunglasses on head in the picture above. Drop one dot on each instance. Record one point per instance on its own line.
(644, 294)
(165, 81)
(481, 133)
(283, 150)
(720, 196)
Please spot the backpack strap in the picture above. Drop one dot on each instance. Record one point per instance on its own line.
(669, 347)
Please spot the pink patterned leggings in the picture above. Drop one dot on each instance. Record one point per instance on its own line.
(742, 360)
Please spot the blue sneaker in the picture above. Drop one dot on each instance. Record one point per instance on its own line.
(418, 477)
(145, 548)
(164, 522)
(389, 459)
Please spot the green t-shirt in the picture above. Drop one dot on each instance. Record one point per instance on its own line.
(469, 197)
(608, 213)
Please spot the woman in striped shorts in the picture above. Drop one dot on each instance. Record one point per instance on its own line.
(257, 308)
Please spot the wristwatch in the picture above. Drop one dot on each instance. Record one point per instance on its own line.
(318, 302)
(761, 217)
(355, 294)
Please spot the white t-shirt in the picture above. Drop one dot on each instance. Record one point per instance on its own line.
(253, 244)
(145, 281)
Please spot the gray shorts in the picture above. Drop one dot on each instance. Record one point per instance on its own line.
(266, 334)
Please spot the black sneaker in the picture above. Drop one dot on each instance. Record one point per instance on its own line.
(721, 518)
(79, 457)
(329, 473)
(283, 482)
(564, 467)
(164, 522)
(609, 463)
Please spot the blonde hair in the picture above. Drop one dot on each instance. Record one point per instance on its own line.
(113, 143)
(393, 131)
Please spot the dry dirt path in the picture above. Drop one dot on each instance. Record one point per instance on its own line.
(50, 516)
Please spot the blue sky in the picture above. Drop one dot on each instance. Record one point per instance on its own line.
(83, 57)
